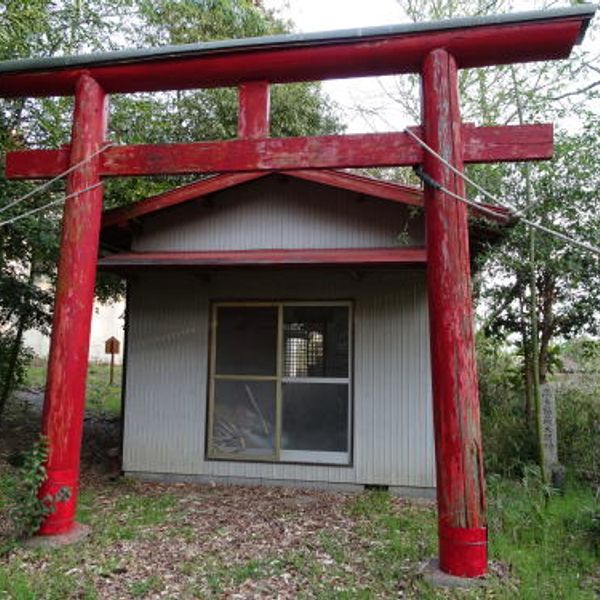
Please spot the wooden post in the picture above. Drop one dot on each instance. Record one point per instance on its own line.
(112, 347)
(62, 419)
(253, 111)
(459, 458)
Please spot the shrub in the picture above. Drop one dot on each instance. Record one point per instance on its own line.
(578, 423)
(27, 511)
(508, 440)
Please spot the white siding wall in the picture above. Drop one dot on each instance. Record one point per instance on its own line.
(278, 212)
(165, 409)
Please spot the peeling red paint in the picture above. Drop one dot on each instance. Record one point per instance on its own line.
(455, 396)
(253, 114)
(62, 419)
(459, 459)
(482, 144)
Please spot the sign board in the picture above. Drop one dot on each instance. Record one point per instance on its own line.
(112, 345)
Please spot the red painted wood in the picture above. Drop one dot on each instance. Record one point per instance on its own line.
(198, 189)
(464, 550)
(386, 190)
(403, 53)
(254, 105)
(459, 457)
(482, 144)
(234, 258)
(394, 192)
(62, 419)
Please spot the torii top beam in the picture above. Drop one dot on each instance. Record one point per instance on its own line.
(474, 42)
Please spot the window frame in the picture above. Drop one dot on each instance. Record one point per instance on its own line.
(307, 457)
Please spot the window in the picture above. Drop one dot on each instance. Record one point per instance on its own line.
(280, 382)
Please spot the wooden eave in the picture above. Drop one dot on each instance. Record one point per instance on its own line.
(128, 261)
(394, 49)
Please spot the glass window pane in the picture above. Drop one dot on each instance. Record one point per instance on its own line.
(244, 418)
(315, 417)
(315, 341)
(246, 340)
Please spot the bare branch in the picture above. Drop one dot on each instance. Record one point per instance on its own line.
(582, 90)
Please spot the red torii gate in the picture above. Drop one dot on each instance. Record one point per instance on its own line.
(436, 51)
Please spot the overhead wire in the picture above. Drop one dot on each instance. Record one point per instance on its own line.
(48, 205)
(48, 183)
(517, 213)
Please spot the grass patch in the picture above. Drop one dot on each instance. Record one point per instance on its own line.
(100, 396)
(140, 589)
(549, 539)
(544, 541)
(131, 514)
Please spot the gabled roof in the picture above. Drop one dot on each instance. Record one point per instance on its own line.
(117, 223)
(384, 190)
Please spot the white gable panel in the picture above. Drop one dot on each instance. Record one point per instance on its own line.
(280, 212)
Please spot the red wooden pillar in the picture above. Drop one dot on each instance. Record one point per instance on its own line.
(62, 420)
(253, 113)
(459, 458)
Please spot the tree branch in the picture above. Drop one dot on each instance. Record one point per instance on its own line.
(582, 90)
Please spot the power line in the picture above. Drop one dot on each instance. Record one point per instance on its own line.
(47, 184)
(48, 205)
(517, 213)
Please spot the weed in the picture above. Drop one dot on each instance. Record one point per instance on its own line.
(27, 511)
(139, 589)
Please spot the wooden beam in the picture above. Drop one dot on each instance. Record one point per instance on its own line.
(64, 401)
(475, 43)
(459, 456)
(267, 258)
(482, 144)
(378, 188)
(253, 109)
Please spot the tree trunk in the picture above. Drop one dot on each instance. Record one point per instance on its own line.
(12, 366)
(546, 326)
(527, 370)
(16, 349)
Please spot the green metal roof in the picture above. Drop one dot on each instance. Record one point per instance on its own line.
(585, 11)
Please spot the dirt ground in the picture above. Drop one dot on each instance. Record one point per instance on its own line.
(204, 541)
(184, 541)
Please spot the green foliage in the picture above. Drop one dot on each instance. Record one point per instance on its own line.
(29, 248)
(28, 511)
(506, 427)
(533, 288)
(547, 538)
(8, 360)
(102, 399)
(578, 423)
(542, 545)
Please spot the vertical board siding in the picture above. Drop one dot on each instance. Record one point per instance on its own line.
(278, 212)
(167, 373)
(164, 418)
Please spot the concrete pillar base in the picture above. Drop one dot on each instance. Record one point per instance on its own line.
(79, 533)
(437, 578)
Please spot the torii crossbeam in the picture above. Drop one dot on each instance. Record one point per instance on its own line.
(434, 50)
